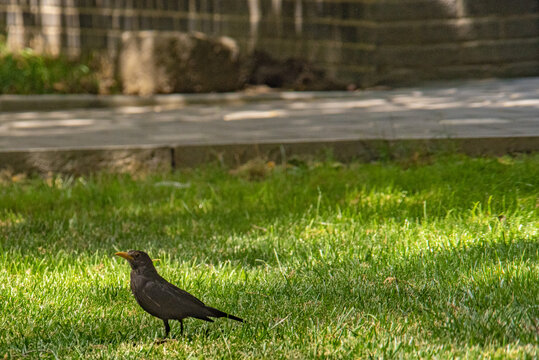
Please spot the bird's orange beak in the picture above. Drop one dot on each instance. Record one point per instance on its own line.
(125, 255)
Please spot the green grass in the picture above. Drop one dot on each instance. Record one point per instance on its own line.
(26, 72)
(366, 260)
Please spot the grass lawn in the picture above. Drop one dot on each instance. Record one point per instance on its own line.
(438, 259)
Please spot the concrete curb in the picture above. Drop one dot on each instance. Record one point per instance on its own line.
(167, 158)
(85, 161)
(70, 101)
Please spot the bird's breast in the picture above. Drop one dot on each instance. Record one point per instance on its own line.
(138, 284)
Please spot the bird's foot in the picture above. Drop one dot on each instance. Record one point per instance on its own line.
(163, 341)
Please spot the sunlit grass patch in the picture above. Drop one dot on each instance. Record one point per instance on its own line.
(363, 260)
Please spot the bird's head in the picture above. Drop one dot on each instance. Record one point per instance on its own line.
(137, 259)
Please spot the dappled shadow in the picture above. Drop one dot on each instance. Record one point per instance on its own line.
(218, 223)
(497, 108)
(479, 293)
(471, 296)
(277, 252)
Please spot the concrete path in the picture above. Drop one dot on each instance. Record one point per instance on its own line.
(490, 108)
(493, 109)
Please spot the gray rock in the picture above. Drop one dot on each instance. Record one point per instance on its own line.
(152, 62)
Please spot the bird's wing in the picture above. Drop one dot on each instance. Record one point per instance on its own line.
(169, 301)
(183, 294)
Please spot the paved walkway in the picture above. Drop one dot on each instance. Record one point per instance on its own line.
(472, 109)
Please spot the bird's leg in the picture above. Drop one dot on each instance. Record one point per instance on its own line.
(181, 327)
(167, 327)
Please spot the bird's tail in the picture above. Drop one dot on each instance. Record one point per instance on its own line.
(218, 313)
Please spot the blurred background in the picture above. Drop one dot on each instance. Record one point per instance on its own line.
(136, 46)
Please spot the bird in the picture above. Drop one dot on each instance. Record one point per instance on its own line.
(162, 299)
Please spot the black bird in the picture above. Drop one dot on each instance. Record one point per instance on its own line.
(162, 299)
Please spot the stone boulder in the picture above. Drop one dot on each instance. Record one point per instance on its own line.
(160, 63)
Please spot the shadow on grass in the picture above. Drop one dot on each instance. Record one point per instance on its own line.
(471, 296)
(486, 292)
(482, 295)
(108, 212)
